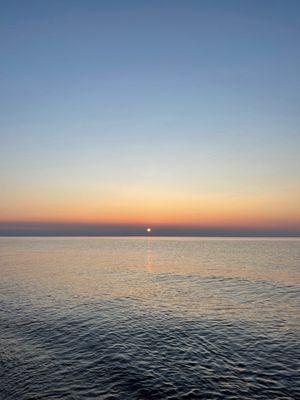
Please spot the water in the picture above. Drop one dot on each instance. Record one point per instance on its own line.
(149, 318)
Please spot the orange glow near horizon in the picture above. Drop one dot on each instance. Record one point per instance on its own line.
(271, 210)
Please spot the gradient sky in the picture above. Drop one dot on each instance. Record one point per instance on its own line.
(181, 113)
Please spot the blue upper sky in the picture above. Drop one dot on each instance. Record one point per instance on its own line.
(193, 96)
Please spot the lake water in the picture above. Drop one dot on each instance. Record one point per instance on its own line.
(149, 318)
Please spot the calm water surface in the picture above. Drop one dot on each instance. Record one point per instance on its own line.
(149, 318)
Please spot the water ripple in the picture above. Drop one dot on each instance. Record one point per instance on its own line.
(87, 332)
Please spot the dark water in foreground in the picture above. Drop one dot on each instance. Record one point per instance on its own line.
(125, 318)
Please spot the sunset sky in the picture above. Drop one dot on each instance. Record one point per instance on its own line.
(150, 113)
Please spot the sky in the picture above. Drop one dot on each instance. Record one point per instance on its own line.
(179, 115)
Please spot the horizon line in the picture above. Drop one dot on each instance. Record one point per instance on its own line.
(242, 235)
(38, 228)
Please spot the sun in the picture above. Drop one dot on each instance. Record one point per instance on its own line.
(148, 230)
